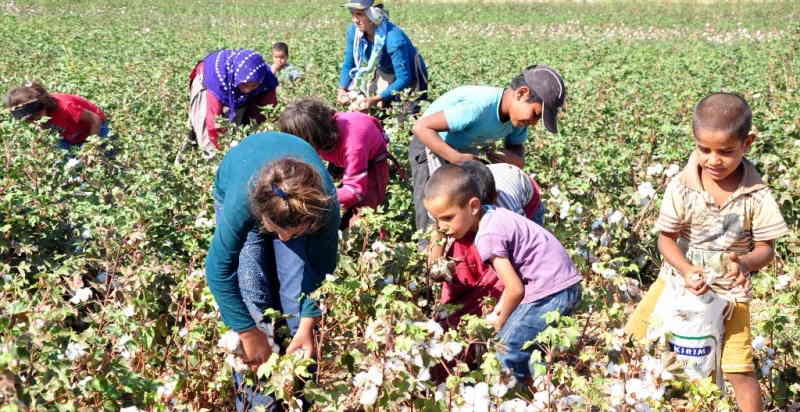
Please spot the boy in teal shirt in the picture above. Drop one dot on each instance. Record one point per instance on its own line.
(460, 121)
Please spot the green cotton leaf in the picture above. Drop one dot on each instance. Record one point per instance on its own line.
(552, 316)
(16, 308)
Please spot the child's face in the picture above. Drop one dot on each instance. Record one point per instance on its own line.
(279, 58)
(248, 87)
(522, 112)
(719, 153)
(452, 218)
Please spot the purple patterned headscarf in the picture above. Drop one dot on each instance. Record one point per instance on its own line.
(224, 70)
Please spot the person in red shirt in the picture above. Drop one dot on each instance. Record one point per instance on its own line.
(72, 117)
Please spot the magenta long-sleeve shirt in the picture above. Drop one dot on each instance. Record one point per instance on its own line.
(361, 138)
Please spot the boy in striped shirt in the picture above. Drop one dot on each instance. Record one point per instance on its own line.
(718, 216)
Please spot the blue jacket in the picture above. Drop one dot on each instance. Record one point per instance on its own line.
(397, 58)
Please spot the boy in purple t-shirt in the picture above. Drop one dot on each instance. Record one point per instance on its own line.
(537, 273)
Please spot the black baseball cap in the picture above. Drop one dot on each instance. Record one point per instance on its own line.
(549, 86)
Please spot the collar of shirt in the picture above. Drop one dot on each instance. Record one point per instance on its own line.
(751, 180)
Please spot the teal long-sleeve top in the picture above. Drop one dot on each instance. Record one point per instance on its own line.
(232, 186)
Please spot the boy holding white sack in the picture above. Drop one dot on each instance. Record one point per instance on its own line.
(718, 223)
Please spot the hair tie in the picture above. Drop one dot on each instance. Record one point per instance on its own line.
(278, 191)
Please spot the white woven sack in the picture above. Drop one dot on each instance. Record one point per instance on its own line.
(692, 326)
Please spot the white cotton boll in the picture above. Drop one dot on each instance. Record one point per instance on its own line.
(672, 170)
(564, 209)
(615, 217)
(229, 341)
(432, 327)
(441, 392)
(481, 399)
(81, 295)
(514, 405)
(436, 349)
(617, 393)
(183, 332)
(7, 278)
(75, 351)
(424, 375)
(605, 239)
(451, 350)
(614, 369)
(766, 367)
(492, 317)
(597, 224)
(759, 342)
(388, 280)
(555, 191)
(129, 311)
(331, 278)
(540, 401)
(782, 282)
(571, 400)
(374, 375)
(235, 363)
(71, 163)
(203, 222)
(86, 234)
(368, 396)
(130, 409)
(361, 380)
(380, 247)
(499, 390)
(84, 381)
(646, 190)
(655, 169)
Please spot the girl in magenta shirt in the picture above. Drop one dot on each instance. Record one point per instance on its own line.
(353, 141)
(72, 117)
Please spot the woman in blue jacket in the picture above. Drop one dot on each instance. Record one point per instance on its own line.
(379, 60)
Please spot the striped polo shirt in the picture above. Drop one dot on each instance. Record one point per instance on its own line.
(749, 215)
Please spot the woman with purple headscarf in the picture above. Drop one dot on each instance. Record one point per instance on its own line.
(230, 83)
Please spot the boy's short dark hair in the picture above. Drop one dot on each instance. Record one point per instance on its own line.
(481, 174)
(727, 112)
(454, 182)
(281, 47)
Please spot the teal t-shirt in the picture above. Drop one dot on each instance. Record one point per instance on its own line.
(232, 190)
(473, 118)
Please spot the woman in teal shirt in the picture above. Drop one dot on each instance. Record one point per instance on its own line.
(276, 238)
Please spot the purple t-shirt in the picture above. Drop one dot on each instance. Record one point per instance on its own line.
(541, 262)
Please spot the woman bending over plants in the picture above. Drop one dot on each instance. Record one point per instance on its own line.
(230, 83)
(72, 117)
(276, 238)
(352, 141)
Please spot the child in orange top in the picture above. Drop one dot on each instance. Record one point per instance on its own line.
(72, 117)
(718, 216)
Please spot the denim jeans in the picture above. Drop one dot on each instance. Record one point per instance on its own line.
(538, 215)
(526, 322)
(270, 274)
